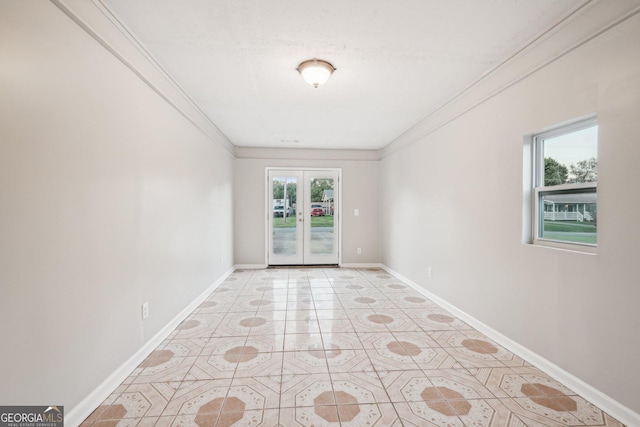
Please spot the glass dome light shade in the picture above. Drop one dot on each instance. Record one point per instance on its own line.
(316, 72)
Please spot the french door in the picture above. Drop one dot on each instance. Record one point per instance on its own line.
(303, 217)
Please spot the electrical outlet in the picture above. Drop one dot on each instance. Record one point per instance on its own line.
(359, 251)
(145, 310)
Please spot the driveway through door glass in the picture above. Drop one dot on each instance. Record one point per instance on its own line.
(303, 217)
(321, 227)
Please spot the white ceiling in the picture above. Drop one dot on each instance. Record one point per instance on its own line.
(397, 61)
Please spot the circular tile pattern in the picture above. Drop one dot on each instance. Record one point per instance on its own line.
(364, 300)
(395, 286)
(156, 358)
(441, 318)
(549, 397)
(253, 321)
(354, 287)
(208, 304)
(349, 407)
(331, 351)
(232, 412)
(348, 412)
(188, 324)
(112, 412)
(431, 396)
(240, 354)
(259, 302)
(480, 346)
(380, 318)
(403, 348)
(416, 300)
(326, 412)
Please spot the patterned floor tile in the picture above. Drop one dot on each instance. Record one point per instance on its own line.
(272, 315)
(215, 366)
(364, 387)
(435, 320)
(267, 328)
(389, 354)
(192, 395)
(405, 386)
(399, 321)
(533, 414)
(331, 346)
(306, 390)
(197, 326)
(419, 339)
(493, 379)
(459, 382)
(162, 366)
(274, 342)
(485, 413)
(255, 393)
(301, 314)
(305, 362)
(265, 418)
(141, 400)
(347, 360)
(302, 327)
(345, 340)
(328, 326)
(303, 342)
(220, 345)
(419, 414)
(252, 364)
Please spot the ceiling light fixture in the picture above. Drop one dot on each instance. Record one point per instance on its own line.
(315, 71)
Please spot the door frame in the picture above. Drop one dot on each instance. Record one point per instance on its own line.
(267, 208)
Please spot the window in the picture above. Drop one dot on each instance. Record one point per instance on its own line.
(565, 175)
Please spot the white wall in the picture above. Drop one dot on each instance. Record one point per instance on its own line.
(360, 189)
(108, 198)
(453, 202)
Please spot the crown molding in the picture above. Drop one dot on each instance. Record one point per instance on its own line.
(99, 22)
(586, 22)
(305, 154)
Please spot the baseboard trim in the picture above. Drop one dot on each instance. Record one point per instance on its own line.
(612, 407)
(361, 265)
(343, 265)
(250, 266)
(80, 412)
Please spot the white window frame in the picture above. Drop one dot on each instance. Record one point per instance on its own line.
(539, 189)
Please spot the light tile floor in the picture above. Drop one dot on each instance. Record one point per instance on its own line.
(322, 347)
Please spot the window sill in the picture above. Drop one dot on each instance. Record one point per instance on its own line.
(566, 247)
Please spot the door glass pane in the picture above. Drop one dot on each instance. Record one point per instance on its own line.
(284, 215)
(321, 217)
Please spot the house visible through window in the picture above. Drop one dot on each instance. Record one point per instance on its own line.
(565, 185)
